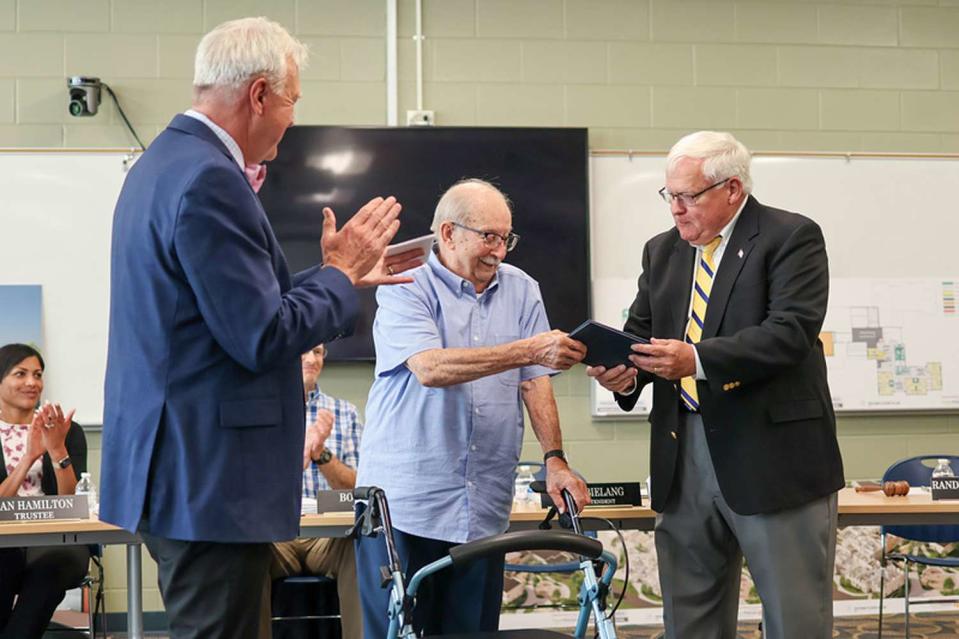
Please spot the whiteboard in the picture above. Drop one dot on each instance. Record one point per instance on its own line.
(57, 210)
(885, 218)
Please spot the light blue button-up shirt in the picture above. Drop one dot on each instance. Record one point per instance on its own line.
(446, 457)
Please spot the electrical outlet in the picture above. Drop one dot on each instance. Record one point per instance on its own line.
(419, 118)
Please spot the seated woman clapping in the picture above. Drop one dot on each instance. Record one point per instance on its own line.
(43, 452)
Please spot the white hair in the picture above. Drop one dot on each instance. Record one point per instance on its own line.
(723, 156)
(459, 201)
(237, 51)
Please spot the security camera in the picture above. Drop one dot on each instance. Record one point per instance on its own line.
(84, 95)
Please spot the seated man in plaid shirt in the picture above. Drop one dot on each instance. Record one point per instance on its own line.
(329, 462)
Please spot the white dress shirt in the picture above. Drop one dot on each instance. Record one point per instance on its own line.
(725, 234)
(220, 133)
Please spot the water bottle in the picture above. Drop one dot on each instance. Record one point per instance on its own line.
(943, 469)
(86, 487)
(522, 493)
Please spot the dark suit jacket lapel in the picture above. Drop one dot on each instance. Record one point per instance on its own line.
(743, 240)
(192, 126)
(679, 282)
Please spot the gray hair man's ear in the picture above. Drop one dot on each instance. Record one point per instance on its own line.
(445, 231)
(256, 93)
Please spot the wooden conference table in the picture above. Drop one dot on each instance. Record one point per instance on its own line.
(855, 509)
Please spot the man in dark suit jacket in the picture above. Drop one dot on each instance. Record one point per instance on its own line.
(744, 457)
(203, 423)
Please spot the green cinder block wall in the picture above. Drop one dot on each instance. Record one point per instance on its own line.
(783, 75)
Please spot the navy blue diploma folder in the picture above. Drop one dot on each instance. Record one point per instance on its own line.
(605, 346)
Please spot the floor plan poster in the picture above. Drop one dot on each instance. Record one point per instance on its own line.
(893, 344)
(20, 315)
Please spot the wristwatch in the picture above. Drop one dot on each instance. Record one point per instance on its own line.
(324, 457)
(556, 452)
(65, 462)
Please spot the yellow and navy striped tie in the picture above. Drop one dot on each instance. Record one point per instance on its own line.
(705, 271)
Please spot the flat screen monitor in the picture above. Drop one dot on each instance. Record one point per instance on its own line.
(542, 170)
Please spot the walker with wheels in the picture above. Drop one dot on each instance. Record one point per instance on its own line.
(592, 596)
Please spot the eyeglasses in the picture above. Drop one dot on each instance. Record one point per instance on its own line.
(493, 240)
(687, 199)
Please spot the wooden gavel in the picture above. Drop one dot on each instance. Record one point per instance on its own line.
(890, 488)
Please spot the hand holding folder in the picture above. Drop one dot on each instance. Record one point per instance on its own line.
(606, 346)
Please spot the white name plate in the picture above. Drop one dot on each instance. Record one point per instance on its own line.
(44, 507)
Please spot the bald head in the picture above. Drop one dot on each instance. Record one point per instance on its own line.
(468, 219)
(464, 197)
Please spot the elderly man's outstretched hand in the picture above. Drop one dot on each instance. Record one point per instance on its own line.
(555, 349)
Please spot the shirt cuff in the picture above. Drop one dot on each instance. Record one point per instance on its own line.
(700, 373)
(631, 390)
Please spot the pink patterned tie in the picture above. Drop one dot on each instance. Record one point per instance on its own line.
(255, 174)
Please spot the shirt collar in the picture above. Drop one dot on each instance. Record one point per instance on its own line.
(458, 285)
(727, 231)
(220, 133)
(6, 427)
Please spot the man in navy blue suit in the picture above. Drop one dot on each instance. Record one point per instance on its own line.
(203, 421)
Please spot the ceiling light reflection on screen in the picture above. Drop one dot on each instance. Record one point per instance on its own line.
(341, 162)
(318, 197)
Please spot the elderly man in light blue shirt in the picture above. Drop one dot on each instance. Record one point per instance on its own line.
(458, 353)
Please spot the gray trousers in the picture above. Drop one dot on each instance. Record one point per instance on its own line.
(701, 542)
(210, 590)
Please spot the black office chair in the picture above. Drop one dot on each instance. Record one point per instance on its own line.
(918, 472)
(92, 589)
(305, 607)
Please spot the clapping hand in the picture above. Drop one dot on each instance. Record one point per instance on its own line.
(55, 426)
(35, 446)
(358, 247)
(316, 435)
